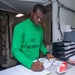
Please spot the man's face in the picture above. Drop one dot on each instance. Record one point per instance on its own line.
(37, 17)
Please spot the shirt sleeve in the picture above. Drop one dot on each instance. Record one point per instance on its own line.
(16, 48)
(42, 47)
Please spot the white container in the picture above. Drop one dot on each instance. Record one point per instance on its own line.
(61, 68)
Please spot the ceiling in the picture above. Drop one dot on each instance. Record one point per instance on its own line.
(20, 6)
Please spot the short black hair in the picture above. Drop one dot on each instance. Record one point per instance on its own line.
(40, 7)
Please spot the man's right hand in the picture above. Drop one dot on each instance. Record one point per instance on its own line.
(37, 66)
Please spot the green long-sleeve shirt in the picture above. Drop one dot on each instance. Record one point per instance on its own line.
(27, 42)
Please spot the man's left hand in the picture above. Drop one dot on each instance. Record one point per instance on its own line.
(49, 56)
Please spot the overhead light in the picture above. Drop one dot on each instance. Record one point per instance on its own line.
(19, 15)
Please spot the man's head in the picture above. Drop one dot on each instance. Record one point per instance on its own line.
(37, 14)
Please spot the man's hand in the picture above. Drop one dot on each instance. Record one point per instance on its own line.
(37, 66)
(49, 56)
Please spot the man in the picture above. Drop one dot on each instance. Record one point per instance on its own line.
(28, 40)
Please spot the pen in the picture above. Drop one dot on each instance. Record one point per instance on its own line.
(52, 62)
(37, 60)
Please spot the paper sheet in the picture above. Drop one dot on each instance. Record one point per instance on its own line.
(72, 58)
(47, 63)
(26, 71)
